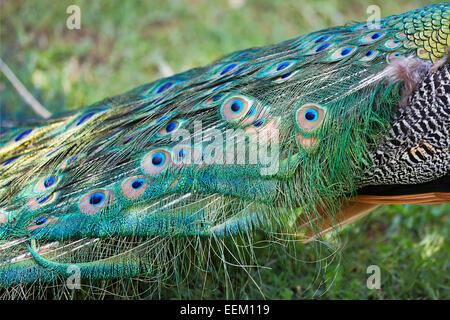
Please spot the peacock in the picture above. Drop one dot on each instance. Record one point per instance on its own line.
(296, 138)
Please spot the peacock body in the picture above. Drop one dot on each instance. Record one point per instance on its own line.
(313, 133)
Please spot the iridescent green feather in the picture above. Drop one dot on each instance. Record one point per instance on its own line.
(70, 181)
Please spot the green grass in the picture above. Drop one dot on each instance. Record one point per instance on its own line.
(121, 45)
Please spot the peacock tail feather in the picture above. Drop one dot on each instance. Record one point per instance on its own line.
(277, 139)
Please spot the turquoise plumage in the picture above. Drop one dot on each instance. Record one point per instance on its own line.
(275, 139)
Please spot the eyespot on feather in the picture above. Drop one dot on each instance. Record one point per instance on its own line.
(309, 116)
(235, 108)
(211, 101)
(38, 201)
(96, 200)
(321, 38)
(46, 183)
(241, 69)
(342, 53)
(156, 162)
(227, 69)
(372, 37)
(277, 68)
(393, 56)
(285, 76)
(41, 221)
(369, 55)
(163, 87)
(314, 40)
(134, 187)
(169, 128)
(214, 99)
(393, 43)
(321, 47)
